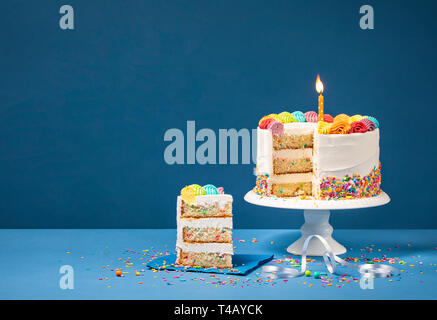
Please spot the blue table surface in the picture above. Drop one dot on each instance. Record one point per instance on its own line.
(31, 260)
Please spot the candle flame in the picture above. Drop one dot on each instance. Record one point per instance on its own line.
(319, 85)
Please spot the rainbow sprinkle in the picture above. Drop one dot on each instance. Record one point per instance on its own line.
(352, 187)
(261, 186)
(332, 188)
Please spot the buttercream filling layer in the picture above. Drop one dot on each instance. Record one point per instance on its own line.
(291, 177)
(293, 153)
(206, 247)
(206, 223)
(211, 200)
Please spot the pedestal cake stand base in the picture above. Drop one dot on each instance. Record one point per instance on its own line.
(316, 213)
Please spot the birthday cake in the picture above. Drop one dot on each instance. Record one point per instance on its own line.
(335, 158)
(204, 227)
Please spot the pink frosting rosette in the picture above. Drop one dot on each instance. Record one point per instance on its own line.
(311, 116)
(370, 125)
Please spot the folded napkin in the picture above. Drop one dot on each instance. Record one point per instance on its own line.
(242, 264)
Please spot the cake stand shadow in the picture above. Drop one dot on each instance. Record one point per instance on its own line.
(316, 213)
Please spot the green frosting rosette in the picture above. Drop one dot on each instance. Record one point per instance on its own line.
(286, 117)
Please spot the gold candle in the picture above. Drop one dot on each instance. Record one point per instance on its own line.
(319, 89)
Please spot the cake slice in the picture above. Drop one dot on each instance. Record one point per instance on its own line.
(204, 227)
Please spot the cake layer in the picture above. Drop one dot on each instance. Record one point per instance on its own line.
(203, 209)
(292, 141)
(206, 260)
(293, 165)
(292, 189)
(207, 235)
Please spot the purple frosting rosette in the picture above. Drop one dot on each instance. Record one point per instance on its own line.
(276, 127)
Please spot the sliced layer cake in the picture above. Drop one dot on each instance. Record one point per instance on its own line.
(204, 227)
(300, 156)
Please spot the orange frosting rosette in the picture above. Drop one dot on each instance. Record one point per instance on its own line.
(342, 116)
(340, 126)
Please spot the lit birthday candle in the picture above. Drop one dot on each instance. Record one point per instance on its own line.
(319, 89)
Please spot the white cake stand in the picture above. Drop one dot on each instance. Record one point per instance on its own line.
(316, 213)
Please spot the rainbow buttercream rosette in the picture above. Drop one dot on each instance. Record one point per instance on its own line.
(340, 124)
(299, 116)
(311, 116)
(189, 193)
(287, 117)
(210, 189)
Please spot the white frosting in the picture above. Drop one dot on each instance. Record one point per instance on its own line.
(299, 128)
(332, 155)
(341, 154)
(205, 222)
(264, 151)
(316, 179)
(206, 201)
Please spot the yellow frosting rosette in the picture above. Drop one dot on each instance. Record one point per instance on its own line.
(323, 127)
(273, 116)
(190, 192)
(356, 117)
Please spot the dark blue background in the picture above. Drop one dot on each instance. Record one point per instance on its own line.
(83, 112)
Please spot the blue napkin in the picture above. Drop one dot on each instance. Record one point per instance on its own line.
(243, 264)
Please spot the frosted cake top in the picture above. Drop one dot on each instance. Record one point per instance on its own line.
(340, 124)
(189, 193)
